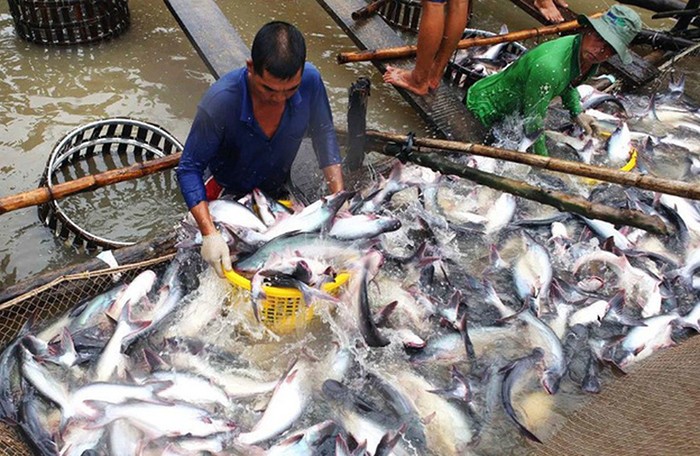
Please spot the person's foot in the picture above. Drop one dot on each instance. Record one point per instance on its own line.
(404, 79)
(549, 9)
(434, 82)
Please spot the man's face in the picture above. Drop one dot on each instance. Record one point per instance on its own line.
(270, 90)
(594, 49)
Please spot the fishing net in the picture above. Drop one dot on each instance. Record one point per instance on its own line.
(49, 301)
(655, 410)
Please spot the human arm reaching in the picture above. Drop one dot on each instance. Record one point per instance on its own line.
(214, 248)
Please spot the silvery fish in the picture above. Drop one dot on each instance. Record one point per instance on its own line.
(232, 214)
(124, 438)
(304, 442)
(450, 430)
(511, 374)
(362, 226)
(133, 293)
(45, 383)
(619, 145)
(157, 420)
(8, 361)
(290, 398)
(642, 341)
(315, 217)
(112, 360)
(500, 213)
(32, 427)
(363, 426)
(532, 273)
(311, 245)
(543, 336)
(394, 184)
(605, 230)
(79, 440)
(235, 385)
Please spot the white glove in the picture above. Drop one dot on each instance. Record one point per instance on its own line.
(587, 122)
(215, 252)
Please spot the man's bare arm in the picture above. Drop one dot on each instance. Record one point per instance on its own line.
(334, 178)
(201, 214)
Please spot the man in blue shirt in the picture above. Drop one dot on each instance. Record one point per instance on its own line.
(248, 129)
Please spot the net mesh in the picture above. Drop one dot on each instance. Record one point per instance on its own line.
(49, 301)
(655, 410)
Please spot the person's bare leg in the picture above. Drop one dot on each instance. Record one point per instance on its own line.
(549, 9)
(454, 27)
(430, 32)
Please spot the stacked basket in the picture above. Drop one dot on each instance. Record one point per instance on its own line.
(69, 21)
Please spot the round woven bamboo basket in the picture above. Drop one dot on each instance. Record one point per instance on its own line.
(68, 22)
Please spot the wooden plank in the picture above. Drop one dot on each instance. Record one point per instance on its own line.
(211, 34)
(637, 73)
(442, 109)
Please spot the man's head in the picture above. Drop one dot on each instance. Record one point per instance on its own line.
(612, 33)
(277, 62)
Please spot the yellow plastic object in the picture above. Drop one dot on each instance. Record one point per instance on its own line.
(280, 309)
(629, 166)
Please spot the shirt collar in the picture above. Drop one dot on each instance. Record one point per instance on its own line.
(247, 107)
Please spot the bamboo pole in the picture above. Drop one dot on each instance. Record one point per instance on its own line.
(367, 11)
(408, 51)
(44, 194)
(631, 179)
(559, 200)
(677, 13)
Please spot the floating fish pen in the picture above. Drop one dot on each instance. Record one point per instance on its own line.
(67, 22)
(99, 144)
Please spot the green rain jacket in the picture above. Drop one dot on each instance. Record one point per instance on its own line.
(529, 85)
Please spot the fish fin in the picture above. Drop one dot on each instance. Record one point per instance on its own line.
(382, 317)
(341, 445)
(153, 361)
(469, 347)
(526, 432)
(428, 418)
(524, 308)
(389, 440)
(360, 449)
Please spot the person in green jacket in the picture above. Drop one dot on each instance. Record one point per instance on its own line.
(554, 69)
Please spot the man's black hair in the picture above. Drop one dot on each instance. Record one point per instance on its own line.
(280, 49)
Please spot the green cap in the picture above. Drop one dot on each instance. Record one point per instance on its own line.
(618, 27)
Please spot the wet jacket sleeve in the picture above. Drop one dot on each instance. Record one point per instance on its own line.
(321, 128)
(571, 101)
(201, 146)
(540, 89)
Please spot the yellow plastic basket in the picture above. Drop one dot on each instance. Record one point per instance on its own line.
(280, 309)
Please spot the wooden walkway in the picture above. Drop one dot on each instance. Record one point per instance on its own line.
(442, 109)
(638, 73)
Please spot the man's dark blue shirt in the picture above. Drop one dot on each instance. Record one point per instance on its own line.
(226, 138)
